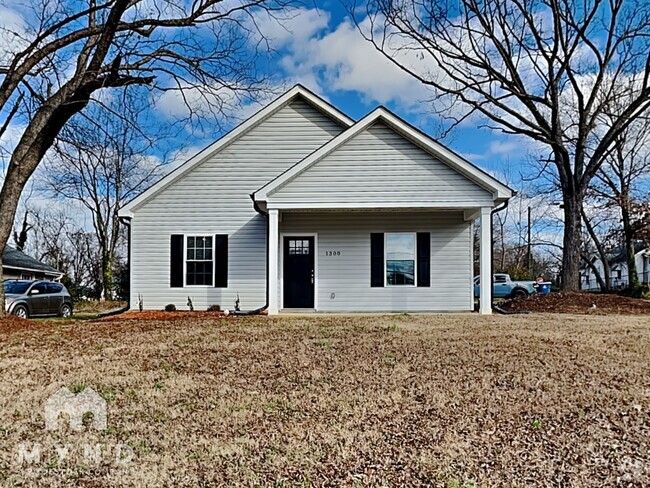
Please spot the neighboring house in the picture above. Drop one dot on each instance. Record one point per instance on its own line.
(619, 276)
(343, 216)
(17, 265)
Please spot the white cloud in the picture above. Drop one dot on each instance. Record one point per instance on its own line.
(505, 147)
(213, 104)
(13, 33)
(339, 59)
(8, 142)
(295, 27)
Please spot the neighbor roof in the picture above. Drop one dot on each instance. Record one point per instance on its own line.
(13, 258)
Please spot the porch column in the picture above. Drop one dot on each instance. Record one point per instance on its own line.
(485, 307)
(274, 215)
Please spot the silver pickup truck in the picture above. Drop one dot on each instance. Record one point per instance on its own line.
(504, 287)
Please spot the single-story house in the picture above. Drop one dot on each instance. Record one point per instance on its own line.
(302, 208)
(619, 275)
(16, 265)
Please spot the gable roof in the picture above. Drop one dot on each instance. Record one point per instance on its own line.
(13, 258)
(297, 92)
(499, 190)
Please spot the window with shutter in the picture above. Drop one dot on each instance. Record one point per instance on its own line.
(199, 266)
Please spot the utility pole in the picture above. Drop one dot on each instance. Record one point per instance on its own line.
(529, 257)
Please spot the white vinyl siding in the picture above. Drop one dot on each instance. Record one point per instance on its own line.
(381, 166)
(214, 198)
(343, 261)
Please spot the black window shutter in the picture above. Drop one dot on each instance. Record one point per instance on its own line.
(377, 260)
(424, 258)
(176, 261)
(221, 261)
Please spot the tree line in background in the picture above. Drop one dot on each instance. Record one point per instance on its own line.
(97, 164)
(56, 237)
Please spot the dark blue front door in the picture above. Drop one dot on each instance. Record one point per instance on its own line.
(298, 272)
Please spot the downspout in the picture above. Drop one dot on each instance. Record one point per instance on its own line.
(127, 222)
(257, 311)
(495, 307)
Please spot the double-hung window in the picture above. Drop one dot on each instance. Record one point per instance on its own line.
(199, 267)
(400, 259)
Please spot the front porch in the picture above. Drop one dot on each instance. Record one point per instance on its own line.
(388, 214)
(322, 260)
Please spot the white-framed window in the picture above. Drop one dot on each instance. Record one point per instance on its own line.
(400, 250)
(199, 263)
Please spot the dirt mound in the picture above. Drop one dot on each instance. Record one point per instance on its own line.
(581, 303)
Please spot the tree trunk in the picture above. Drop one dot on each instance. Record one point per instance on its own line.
(628, 231)
(21, 237)
(572, 241)
(15, 179)
(107, 276)
(606, 286)
(599, 278)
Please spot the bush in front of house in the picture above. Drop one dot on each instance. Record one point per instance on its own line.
(214, 308)
(170, 307)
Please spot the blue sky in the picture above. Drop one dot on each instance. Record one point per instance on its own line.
(320, 47)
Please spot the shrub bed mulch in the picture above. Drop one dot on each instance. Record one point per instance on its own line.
(162, 315)
(579, 303)
(11, 323)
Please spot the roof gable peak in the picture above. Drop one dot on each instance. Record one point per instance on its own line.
(298, 91)
(416, 136)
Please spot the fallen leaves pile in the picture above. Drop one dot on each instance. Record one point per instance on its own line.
(581, 303)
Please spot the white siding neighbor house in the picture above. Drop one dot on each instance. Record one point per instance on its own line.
(619, 275)
(302, 208)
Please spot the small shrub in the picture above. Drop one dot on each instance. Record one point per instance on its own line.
(190, 304)
(214, 308)
(170, 307)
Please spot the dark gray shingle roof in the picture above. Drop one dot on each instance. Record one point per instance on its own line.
(17, 259)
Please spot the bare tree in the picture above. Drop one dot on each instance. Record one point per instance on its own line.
(58, 240)
(618, 182)
(594, 225)
(641, 220)
(70, 51)
(101, 162)
(546, 71)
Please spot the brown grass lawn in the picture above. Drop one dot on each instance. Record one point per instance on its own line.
(447, 400)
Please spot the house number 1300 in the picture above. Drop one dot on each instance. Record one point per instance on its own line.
(332, 253)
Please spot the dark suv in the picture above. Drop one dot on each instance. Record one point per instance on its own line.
(30, 298)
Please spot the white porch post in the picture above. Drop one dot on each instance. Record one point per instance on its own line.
(485, 307)
(274, 215)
